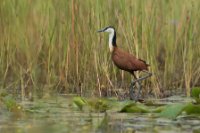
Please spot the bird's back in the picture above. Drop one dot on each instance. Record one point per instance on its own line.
(128, 62)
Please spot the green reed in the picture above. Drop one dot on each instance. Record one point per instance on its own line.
(52, 46)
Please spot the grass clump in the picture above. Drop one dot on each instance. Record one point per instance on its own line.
(52, 46)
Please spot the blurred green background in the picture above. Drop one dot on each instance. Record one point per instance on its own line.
(52, 46)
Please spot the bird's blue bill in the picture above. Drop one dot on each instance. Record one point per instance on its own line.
(102, 30)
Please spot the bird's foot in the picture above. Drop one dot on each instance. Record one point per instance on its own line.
(132, 90)
(133, 86)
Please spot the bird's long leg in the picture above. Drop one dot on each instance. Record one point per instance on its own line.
(132, 91)
(133, 85)
(140, 79)
(139, 84)
(145, 77)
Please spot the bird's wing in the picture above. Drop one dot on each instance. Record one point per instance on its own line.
(124, 60)
(128, 62)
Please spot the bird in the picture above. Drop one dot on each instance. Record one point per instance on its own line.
(126, 61)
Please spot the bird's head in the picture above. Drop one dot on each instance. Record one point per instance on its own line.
(109, 29)
(112, 36)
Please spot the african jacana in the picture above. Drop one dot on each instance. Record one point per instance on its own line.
(125, 61)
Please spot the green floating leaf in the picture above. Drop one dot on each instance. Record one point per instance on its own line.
(79, 102)
(134, 108)
(100, 105)
(10, 102)
(195, 92)
(192, 109)
(158, 109)
(172, 111)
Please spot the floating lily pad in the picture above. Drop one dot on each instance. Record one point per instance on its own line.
(134, 108)
(79, 102)
(192, 109)
(158, 109)
(99, 105)
(195, 92)
(172, 111)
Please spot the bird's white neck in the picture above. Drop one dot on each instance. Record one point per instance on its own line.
(111, 36)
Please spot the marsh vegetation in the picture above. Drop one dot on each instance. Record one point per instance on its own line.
(49, 49)
(52, 46)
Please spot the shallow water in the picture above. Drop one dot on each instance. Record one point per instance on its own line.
(59, 116)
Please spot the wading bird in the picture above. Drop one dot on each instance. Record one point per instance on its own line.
(125, 61)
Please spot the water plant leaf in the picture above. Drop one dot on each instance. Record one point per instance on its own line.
(172, 111)
(10, 102)
(116, 105)
(134, 108)
(158, 109)
(192, 109)
(195, 92)
(79, 102)
(100, 105)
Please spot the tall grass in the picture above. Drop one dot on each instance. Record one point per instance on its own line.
(52, 46)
